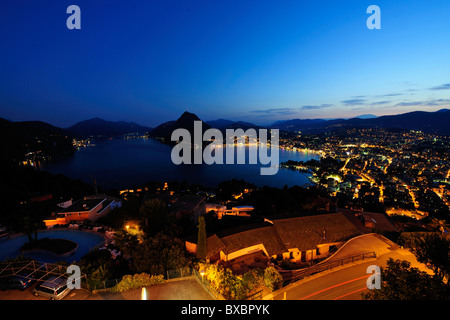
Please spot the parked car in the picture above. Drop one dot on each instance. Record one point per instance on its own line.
(53, 288)
(19, 281)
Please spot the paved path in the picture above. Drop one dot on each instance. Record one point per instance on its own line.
(183, 289)
(364, 244)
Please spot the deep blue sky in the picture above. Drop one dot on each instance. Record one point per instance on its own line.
(258, 61)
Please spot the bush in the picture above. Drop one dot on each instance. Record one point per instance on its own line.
(137, 281)
(272, 279)
(233, 287)
(288, 264)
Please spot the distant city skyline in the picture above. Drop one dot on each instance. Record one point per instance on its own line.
(260, 62)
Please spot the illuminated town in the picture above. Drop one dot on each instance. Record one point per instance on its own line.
(217, 158)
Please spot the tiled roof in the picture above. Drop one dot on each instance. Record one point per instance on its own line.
(214, 245)
(305, 233)
(265, 235)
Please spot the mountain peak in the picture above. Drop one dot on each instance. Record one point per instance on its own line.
(188, 116)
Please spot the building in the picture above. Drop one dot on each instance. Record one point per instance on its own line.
(89, 208)
(240, 211)
(191, 206)
(297, 239)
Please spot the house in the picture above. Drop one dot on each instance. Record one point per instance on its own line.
(367, 222)
(311, 237)
(297, 239)
(191, 206)
(240, 211)
(89, 208)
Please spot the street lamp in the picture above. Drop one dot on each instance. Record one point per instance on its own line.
(144, 294)
(202, 273)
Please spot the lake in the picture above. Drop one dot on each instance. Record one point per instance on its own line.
(124, 163)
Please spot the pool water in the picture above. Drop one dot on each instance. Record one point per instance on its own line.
(10, 248)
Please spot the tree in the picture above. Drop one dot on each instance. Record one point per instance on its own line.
(158, 254)
(126, 242)
(432, 249)
(30, 222)
(201, 239)
(155, 217)
(401, 282)
(272, 279)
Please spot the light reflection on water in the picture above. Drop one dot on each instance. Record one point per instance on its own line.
(122, 163)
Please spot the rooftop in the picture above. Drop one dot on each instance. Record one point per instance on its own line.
(83, 205)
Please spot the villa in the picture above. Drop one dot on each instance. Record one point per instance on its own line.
(297, 239)
(89, 208)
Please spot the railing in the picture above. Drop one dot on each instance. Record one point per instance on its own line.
(179, 273)
(100, 285)
(300, 274)
(255, 296)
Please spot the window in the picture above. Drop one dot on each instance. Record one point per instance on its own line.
(61, 289)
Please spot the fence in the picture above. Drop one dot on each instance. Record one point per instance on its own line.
(255, 296)
(207, 285)
(100, 285)
(108, 284)
(34, 270)
(179, 273)
(300, 274)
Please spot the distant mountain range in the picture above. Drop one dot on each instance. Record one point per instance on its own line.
(23, 139)
(99, 127)
(431, 122)
(20, 138)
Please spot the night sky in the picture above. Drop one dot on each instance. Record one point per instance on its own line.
(257, 61)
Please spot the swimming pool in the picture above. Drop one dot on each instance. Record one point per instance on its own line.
(10, 248)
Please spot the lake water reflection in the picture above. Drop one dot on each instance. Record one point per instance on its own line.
(122, 163)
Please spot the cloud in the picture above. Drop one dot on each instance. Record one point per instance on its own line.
(409, 104)
(437, 102)
(377, 103)
(315, 107)
(445, 86)
(282, 111)
(389, 95)
(289, 111)
(354, 102)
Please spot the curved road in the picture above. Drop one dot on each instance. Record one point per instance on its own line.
(349, 281)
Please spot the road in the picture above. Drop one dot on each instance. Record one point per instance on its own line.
(344, 283)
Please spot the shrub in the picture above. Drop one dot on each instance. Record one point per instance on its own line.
(137, 281)
(272, 279)
(233, 287)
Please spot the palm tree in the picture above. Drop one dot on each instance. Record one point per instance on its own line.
(126, 242)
